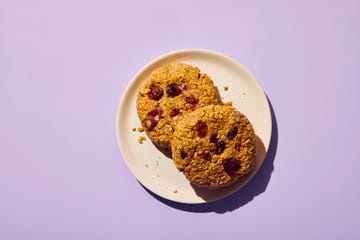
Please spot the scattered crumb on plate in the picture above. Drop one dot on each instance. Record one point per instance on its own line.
(175, 191)
(133, 129)
(141, 139)
(141, 129)
(146, 165)
(157, 163)
(226, 88)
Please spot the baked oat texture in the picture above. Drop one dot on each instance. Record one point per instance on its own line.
(169, 92)
(214, 146)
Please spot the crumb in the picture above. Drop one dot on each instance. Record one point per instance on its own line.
(140, 129)
(244, 93)
(141, 139)
(157, 163)
(157, 175)
(133, 129)
(228, 103)
(175, 191)
(226, 88)
(146, 165)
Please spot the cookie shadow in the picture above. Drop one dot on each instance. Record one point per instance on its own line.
(166, 151)
(253, 188)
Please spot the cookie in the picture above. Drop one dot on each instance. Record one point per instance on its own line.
(169, 92)
(214, 146)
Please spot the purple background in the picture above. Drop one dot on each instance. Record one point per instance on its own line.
(64, 66)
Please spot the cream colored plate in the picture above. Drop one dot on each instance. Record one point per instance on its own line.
(153, 168)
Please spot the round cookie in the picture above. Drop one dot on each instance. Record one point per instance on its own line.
(214, 146)
(169, 92)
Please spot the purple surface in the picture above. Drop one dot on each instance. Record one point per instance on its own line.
(65, 64)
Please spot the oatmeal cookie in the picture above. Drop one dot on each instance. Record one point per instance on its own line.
(169, 92)
(214, 146)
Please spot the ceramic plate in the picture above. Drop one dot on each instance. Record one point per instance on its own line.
(153, 168)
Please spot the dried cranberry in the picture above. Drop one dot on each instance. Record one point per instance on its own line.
(155, 92)
(183, 154)
(232, 133)
(206, 155)
(153, 113)
(154, 117)
(220, 147)
(201, 128)
(153, 124)
(213, 138)
(173, 90)
(191, 100)
(231, 165)
(174, 112)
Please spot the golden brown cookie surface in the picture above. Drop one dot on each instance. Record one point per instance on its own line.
(214, 146)
(171, 91)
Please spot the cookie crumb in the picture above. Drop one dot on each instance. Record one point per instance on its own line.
(157, 175)
(175, 191)
(146, 165)
(141, 139)
(133, 129)
(228, 103)
(140, 129)
(244, 93)
(226, 88)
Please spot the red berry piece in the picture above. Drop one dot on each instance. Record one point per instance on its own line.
(152, 114)
(155, 92)
(174, 112)
(154, 117)
(173, 90)
(220, 147)
(206, 155)
(231, 165)
(201, 128)
(191, 100)
(213, 138)
(232, 133)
